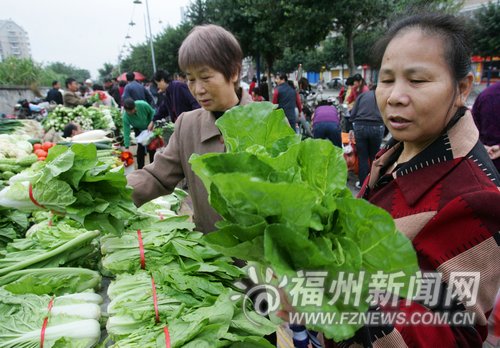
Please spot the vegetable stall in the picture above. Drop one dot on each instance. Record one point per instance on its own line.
(81, 266)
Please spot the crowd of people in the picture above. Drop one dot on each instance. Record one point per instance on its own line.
(433, 175)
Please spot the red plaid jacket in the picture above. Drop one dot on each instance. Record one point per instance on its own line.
(447, 201)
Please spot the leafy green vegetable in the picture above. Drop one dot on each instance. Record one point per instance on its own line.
(51, 281)
(13, 224)
(285, 204)
(73, 320)
(165, 241)
(216, 322)
(74, 182)
(49, 246)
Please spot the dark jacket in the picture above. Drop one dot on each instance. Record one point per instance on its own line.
(54, 95)
(114, 91)
(365, 110)
(137, 91)
(286, 98)
(176, 100)
(486, 113)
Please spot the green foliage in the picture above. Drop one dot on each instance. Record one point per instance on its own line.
(26, 72)
(68, 70)
(290, 60)
(139, 60)
(167, 47)
(485, 28)
(286, 33)
(106, 71)
(21, 72)
(263, 29)
(48, 75)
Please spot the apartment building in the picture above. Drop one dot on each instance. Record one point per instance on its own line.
(13, 40)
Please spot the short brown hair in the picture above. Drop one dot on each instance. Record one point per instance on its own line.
(213, 46)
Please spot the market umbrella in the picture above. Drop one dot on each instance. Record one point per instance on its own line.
(138, 76)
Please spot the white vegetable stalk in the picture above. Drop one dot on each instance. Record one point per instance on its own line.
(82, 310)
(87, 329)
(89, 297)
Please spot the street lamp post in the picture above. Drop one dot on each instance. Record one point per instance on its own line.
(150, 34)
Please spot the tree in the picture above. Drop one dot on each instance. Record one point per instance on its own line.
(69, 70)
(197, 13)
(167, 47)
(486, 29)
(290, 60)
(350, 18)
(264, 28)
(106, 72)
(139, 60)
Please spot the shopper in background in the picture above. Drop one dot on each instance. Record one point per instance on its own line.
(71, 129)
(358, 87)
(137, 114)
(264, 88)
(113, 90)
(176, 97)
(287, 99)
(486, 113)
(71, 97)
(326, 123)
(54, 94)
(136, 91)
(368, 131)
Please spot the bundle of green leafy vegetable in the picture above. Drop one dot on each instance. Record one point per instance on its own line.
(74, 182)
(13, 224)
(73, 320)
(167, 241)
(285, 204)
(51, 281)
(198, 313)
(50, 246)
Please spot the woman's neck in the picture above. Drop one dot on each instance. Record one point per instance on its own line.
(412, 149)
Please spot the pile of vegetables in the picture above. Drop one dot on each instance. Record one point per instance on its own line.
(14, 146)
(197, 313)
(15, 156)
(73, 181)
(27, 129)
(285, 205)
(167, 277)
(50, 246)
(8, 126)
(88, 118)
(41, 150)
(41, 320)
